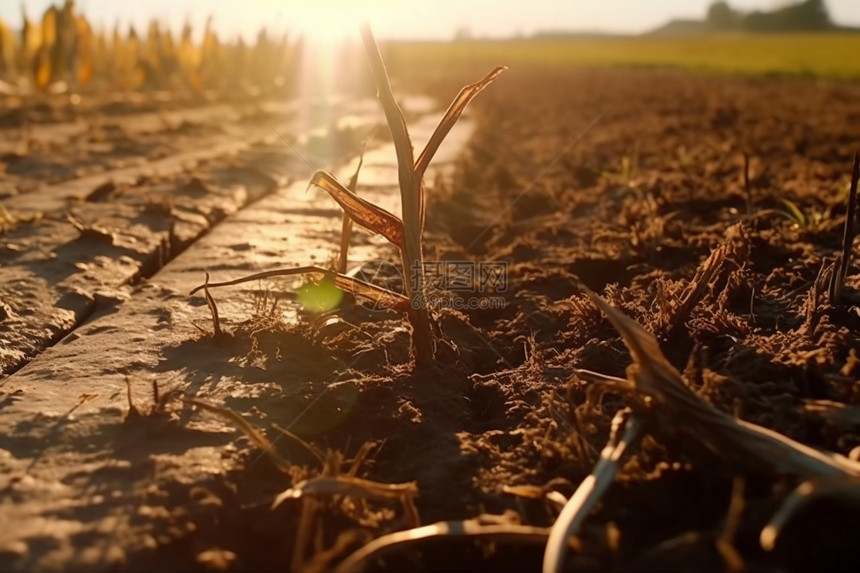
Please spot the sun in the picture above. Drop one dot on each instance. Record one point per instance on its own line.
(331, 30)
(322, 23)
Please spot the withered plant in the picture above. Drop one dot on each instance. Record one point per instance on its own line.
(406, 231)
(664, 406)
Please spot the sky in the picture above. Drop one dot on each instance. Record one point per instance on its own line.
(424, 19)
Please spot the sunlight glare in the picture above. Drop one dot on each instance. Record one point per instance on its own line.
(332, 60)
(331, 22)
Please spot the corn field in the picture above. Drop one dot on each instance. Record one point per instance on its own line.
(63, 52)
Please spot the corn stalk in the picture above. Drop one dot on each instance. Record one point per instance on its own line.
(412, 206)
(405, 232)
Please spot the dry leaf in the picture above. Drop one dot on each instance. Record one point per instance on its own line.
(455, 110)
(382, 297)
(363, 212)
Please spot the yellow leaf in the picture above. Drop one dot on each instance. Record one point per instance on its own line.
(42, 69)
(49, 27)
(84, 56)
(7, 48)
(361, 211)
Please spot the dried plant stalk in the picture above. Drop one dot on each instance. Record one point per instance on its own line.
(310, 489)
(346, 226)
(674, 411)
(725, 543)
(382, 297)
(307, 518)
(843, 416)
(412, 205)
(213, 308)
(626, 429)
(806, 492)
(813, 298)
(344, 485)
(679, 412)
(840, 271)
(356, 562)
(734, 248)
(410, 174)
(345, 236)
(253, 434)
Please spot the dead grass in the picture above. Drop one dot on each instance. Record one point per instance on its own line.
(659, 396)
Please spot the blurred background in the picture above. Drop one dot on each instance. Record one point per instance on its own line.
(237, 49)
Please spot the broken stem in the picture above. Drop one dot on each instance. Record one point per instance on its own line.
(840, 271)
(591, 489)
(346, 227)
(213, 308)
(469, 528)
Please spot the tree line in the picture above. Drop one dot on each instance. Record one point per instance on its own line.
(807, 15)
